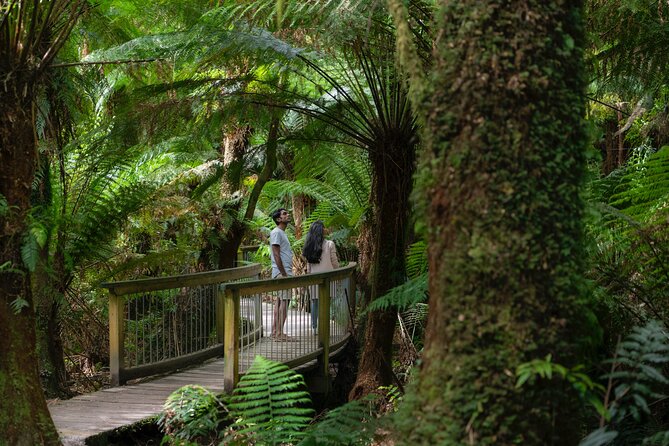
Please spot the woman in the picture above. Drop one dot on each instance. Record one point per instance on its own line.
(321, 256)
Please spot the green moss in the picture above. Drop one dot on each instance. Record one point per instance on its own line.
(502, 176)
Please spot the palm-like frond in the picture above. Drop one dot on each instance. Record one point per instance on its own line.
(628, 39)
(403, 296)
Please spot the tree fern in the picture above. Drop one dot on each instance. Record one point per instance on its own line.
(271, 401)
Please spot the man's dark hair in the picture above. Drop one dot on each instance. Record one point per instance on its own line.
(276, 214)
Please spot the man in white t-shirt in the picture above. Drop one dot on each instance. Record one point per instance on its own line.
(282, 266)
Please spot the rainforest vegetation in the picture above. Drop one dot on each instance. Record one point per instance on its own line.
(499, 170)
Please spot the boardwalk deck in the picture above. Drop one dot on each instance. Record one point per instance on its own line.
(86, 416)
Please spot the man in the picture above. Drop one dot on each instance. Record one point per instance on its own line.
(282, 266)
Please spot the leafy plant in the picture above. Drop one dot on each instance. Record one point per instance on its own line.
(347, 425)
(545, 368)
(270, 403)
(190, 413)
(635, 378)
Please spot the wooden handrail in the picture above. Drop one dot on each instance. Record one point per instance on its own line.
(162, 283)
(268, 285)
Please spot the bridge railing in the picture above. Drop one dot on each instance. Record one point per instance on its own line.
(161, 324)
(296, 342)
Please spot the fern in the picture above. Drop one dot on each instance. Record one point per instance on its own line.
(270, 401)
(411, 292)
(641, 356)
(637, 373)
(347, 425)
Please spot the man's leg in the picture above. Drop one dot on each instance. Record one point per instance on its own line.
(283, 314)
(275, 317)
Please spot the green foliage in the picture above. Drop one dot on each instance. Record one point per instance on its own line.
(189, 414)
(636, 376)
(628, 38)
(270, 402)
(411, 292)
(347, 425)
(4, 206)
(587, 389)
(644, 188)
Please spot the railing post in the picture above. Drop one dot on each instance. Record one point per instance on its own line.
(231, 340)
(351, 301)
(220, 314)
(324, 330)
(116, 333)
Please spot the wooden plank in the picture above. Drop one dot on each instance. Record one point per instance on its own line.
(168, 365)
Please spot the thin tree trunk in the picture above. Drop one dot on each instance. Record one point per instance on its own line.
(25, 419)
(501, 180)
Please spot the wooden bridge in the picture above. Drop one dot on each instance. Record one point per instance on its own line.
(206, 329)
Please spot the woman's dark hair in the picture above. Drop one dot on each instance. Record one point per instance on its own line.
(313, 246)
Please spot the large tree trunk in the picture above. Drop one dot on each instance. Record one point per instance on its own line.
(25, 418)
(393, 167)
(504, 163)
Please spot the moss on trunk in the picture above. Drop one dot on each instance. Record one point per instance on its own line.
(501, 178)
(25, 418)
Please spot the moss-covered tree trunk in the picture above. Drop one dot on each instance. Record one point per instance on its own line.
(25, 418)
(501, 178)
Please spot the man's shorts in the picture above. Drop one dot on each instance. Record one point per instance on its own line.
(284, 294)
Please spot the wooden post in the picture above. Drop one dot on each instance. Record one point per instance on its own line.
(116, 334)
(220, 314)
(324, 329)
(231, 341)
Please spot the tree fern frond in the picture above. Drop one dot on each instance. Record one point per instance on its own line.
(270, 401)
(411, 292)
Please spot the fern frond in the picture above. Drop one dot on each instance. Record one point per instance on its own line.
(411, 292)
(347, 425)
(270, 402)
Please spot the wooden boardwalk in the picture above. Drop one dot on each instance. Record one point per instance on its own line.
(98, 413)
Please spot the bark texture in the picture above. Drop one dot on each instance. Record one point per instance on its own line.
(393, 165)
(25, 419)
(500, 180)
